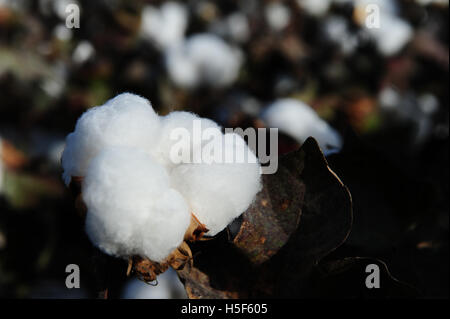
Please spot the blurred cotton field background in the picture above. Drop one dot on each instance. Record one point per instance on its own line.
(376, 99)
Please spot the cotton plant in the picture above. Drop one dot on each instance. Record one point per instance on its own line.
(315, 7)
(277, 16)
(299, 121)
(234, 26)
(169, 287)
(392, 33)
(140, 203)
(337, 30)
(203, 60)
(165, 26)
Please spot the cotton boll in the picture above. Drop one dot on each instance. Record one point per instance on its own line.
(165, 26)
(394, 33)
(315, 7)
(300, 121)
(182, 71)
(131, 208)
(203, 59)
(169, 287)
(389, 98)
(219, 192)
(336, 29)
(238, 28)
(83, 52)
(277, 16)
(126, 120)
(190, 123)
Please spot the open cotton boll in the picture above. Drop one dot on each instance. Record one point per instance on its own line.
(238, 27)
(203, 59)
(165, 26)
(277, 15)
(217, 193)
(126, 120)
(391, 33)
(337, 30)
(131, 208)
(181, 131)
(315, 7)
(169, 287)
(234, 27)
(394, 33)
(300, 121)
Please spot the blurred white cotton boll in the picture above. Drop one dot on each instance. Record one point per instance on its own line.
(219, 193)
(394, 33)
(337, 30)
(165, 25)
(131, 208)
(83, 52)
(315, 7)
(300, 121)
(277, 15)
(203, 59)
(62, 33)
(389, 98)
(169, 287)
(169, 138)
(238, 27)
(428, 103)
(126, 120)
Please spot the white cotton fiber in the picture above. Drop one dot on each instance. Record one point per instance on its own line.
(300, 121)
(126, 120)
(131, 208)
(277, 15)
(219, 192)
(170, 124)
(315, 7)
(169, 287)
(165, 26)
(203, 59)
(392, 33)
(139, 201)
(238, 27)
(337, 30)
